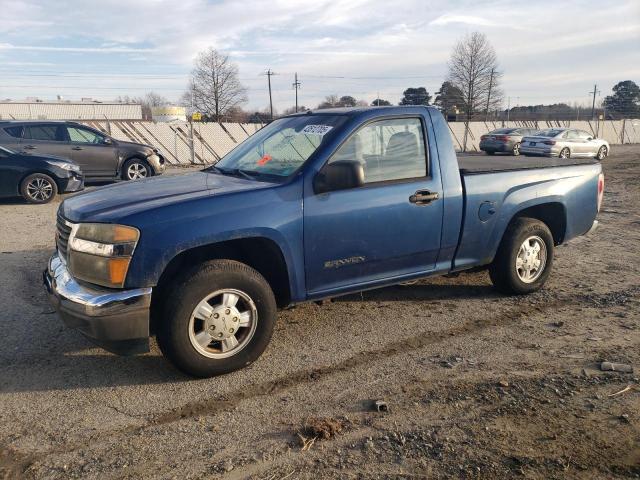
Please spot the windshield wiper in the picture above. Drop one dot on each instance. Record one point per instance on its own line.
(236, 172)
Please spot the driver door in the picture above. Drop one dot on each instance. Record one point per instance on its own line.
(380, 230)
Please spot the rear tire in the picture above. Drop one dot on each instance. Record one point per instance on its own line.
(565, 153)
(38, 188)
(518, 267)
(204, 346)
(490, 152)
(516, 149)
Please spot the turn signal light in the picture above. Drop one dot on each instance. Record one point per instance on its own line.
(118, 270)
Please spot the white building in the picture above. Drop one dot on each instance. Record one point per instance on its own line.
(66, 110)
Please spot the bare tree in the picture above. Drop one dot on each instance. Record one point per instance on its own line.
(473, 69)
(214, 88)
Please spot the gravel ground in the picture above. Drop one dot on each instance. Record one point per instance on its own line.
(478, 385)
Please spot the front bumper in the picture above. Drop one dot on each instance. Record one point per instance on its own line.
(116, 320)
(74, 183)
(157, 162)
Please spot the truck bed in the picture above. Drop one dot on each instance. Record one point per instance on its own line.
(476, 164)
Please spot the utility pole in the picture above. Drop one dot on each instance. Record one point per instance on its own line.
(269, 73)
(296, 86)
(486, 113)
(508, 109)
(593, 104)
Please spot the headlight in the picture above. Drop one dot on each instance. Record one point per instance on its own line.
(100, 253)
(65, 165)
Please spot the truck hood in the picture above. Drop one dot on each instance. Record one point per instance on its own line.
(111, 203)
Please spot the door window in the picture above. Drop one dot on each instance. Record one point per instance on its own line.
(52, 133)
(572, 135)
(584, 135)
(391, 149)
(82, 135)
(15, 132)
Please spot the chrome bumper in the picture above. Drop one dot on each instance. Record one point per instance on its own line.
(117, 320)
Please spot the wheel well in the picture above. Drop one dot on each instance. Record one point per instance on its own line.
(551, 214)
(259, 253)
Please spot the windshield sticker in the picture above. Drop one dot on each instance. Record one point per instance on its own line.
(265, 159)
(316, 130)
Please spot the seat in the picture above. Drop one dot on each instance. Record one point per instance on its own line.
(402, 147)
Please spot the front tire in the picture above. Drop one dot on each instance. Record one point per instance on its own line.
(219, 317)
(524, 259)
(602, 153)
(38, 188)
(136, 169)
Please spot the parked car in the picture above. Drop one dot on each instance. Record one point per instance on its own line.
(505, 140)
(100, 156)
(312, 206)
(565, 143)
(37, 178)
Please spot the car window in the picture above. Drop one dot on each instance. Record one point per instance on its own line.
(52, 133)
(388, 150)
(82, 135)
(572, 135)
(584, 135)
(15, 132)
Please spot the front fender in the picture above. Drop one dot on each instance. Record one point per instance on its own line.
(274, 214)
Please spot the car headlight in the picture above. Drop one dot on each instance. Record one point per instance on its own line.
(100, 253)
(66, 166)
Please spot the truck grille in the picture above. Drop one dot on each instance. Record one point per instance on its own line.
(63, 230)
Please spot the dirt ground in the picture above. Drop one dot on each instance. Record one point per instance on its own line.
(478, 385)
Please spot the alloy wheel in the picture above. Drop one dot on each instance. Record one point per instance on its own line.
(531, 259)
(40, 189)
(137, 171)
(223, 323)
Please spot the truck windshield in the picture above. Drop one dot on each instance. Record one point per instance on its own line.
(280, 148)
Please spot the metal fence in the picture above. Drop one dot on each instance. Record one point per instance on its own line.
(204, 143)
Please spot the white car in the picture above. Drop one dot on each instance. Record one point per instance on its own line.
(564, 143)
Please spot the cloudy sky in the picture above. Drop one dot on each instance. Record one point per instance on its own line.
(549, 51)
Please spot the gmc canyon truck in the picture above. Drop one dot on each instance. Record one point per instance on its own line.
(313, 206)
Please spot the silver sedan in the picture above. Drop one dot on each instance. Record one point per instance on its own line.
(564, 143)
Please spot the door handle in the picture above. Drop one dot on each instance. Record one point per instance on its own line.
(76, 148)
(424, 197)
(30, 147)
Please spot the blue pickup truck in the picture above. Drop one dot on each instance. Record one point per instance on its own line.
(313, 206)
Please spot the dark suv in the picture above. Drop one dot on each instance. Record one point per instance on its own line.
(100, 157)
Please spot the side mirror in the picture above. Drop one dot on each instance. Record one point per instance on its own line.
(108, 141)
(339, 175)
(589, 139)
